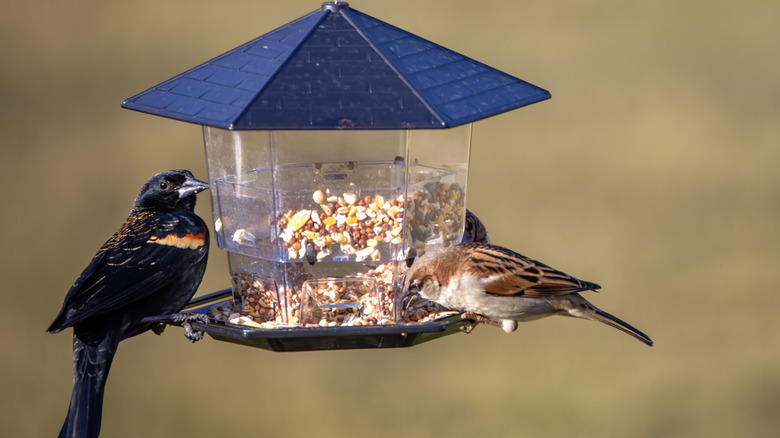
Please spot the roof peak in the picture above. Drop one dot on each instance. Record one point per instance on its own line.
(335, 6)
(333, 68)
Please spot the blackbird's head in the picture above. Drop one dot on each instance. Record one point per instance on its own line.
(169, 191)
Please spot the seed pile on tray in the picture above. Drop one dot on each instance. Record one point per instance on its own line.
(351, 301)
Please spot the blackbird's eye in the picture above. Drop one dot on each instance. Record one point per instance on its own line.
(165, 186)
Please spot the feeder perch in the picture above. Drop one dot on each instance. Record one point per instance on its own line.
(334, 144)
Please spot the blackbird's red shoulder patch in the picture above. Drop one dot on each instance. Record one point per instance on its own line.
(188, 241)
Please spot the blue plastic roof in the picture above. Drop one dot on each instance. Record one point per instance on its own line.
(337, 68)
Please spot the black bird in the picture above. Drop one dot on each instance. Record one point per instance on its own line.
(474, 230)
(151, 266)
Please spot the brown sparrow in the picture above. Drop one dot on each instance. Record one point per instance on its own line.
(491, 283)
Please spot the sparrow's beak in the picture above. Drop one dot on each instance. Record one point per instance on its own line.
(408, 301)
(191, 186)
(411, 295)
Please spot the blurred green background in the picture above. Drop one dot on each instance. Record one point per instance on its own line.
(652, 171)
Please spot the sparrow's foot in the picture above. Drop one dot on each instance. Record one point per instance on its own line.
(478, 319)
(468, 328)
(186, 320)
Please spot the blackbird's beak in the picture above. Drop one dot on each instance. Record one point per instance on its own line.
(191, 186)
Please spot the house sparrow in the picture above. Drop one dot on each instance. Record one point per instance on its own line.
(491, 283)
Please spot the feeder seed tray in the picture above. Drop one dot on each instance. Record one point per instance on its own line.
(317, 338)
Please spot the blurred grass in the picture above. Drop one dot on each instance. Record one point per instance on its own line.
(652, 171)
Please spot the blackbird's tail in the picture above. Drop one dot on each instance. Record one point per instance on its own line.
(90, 370)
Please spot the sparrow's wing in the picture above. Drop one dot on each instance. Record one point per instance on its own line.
(133, 264)
(507, 273)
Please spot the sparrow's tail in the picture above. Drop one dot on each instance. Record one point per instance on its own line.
(579, 307)
(90, 370)
(621, 325)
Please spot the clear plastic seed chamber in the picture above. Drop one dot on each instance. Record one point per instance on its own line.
(317, 224)
(336, 145)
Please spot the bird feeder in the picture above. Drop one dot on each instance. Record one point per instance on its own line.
(335, 144)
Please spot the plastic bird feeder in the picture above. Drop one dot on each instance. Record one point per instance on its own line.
(334, 145)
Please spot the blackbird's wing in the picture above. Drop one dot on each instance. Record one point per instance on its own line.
(508, 273)
(474, 230)
(136, 262)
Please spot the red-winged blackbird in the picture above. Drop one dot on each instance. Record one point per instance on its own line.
(474, 230)
(151, 266)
